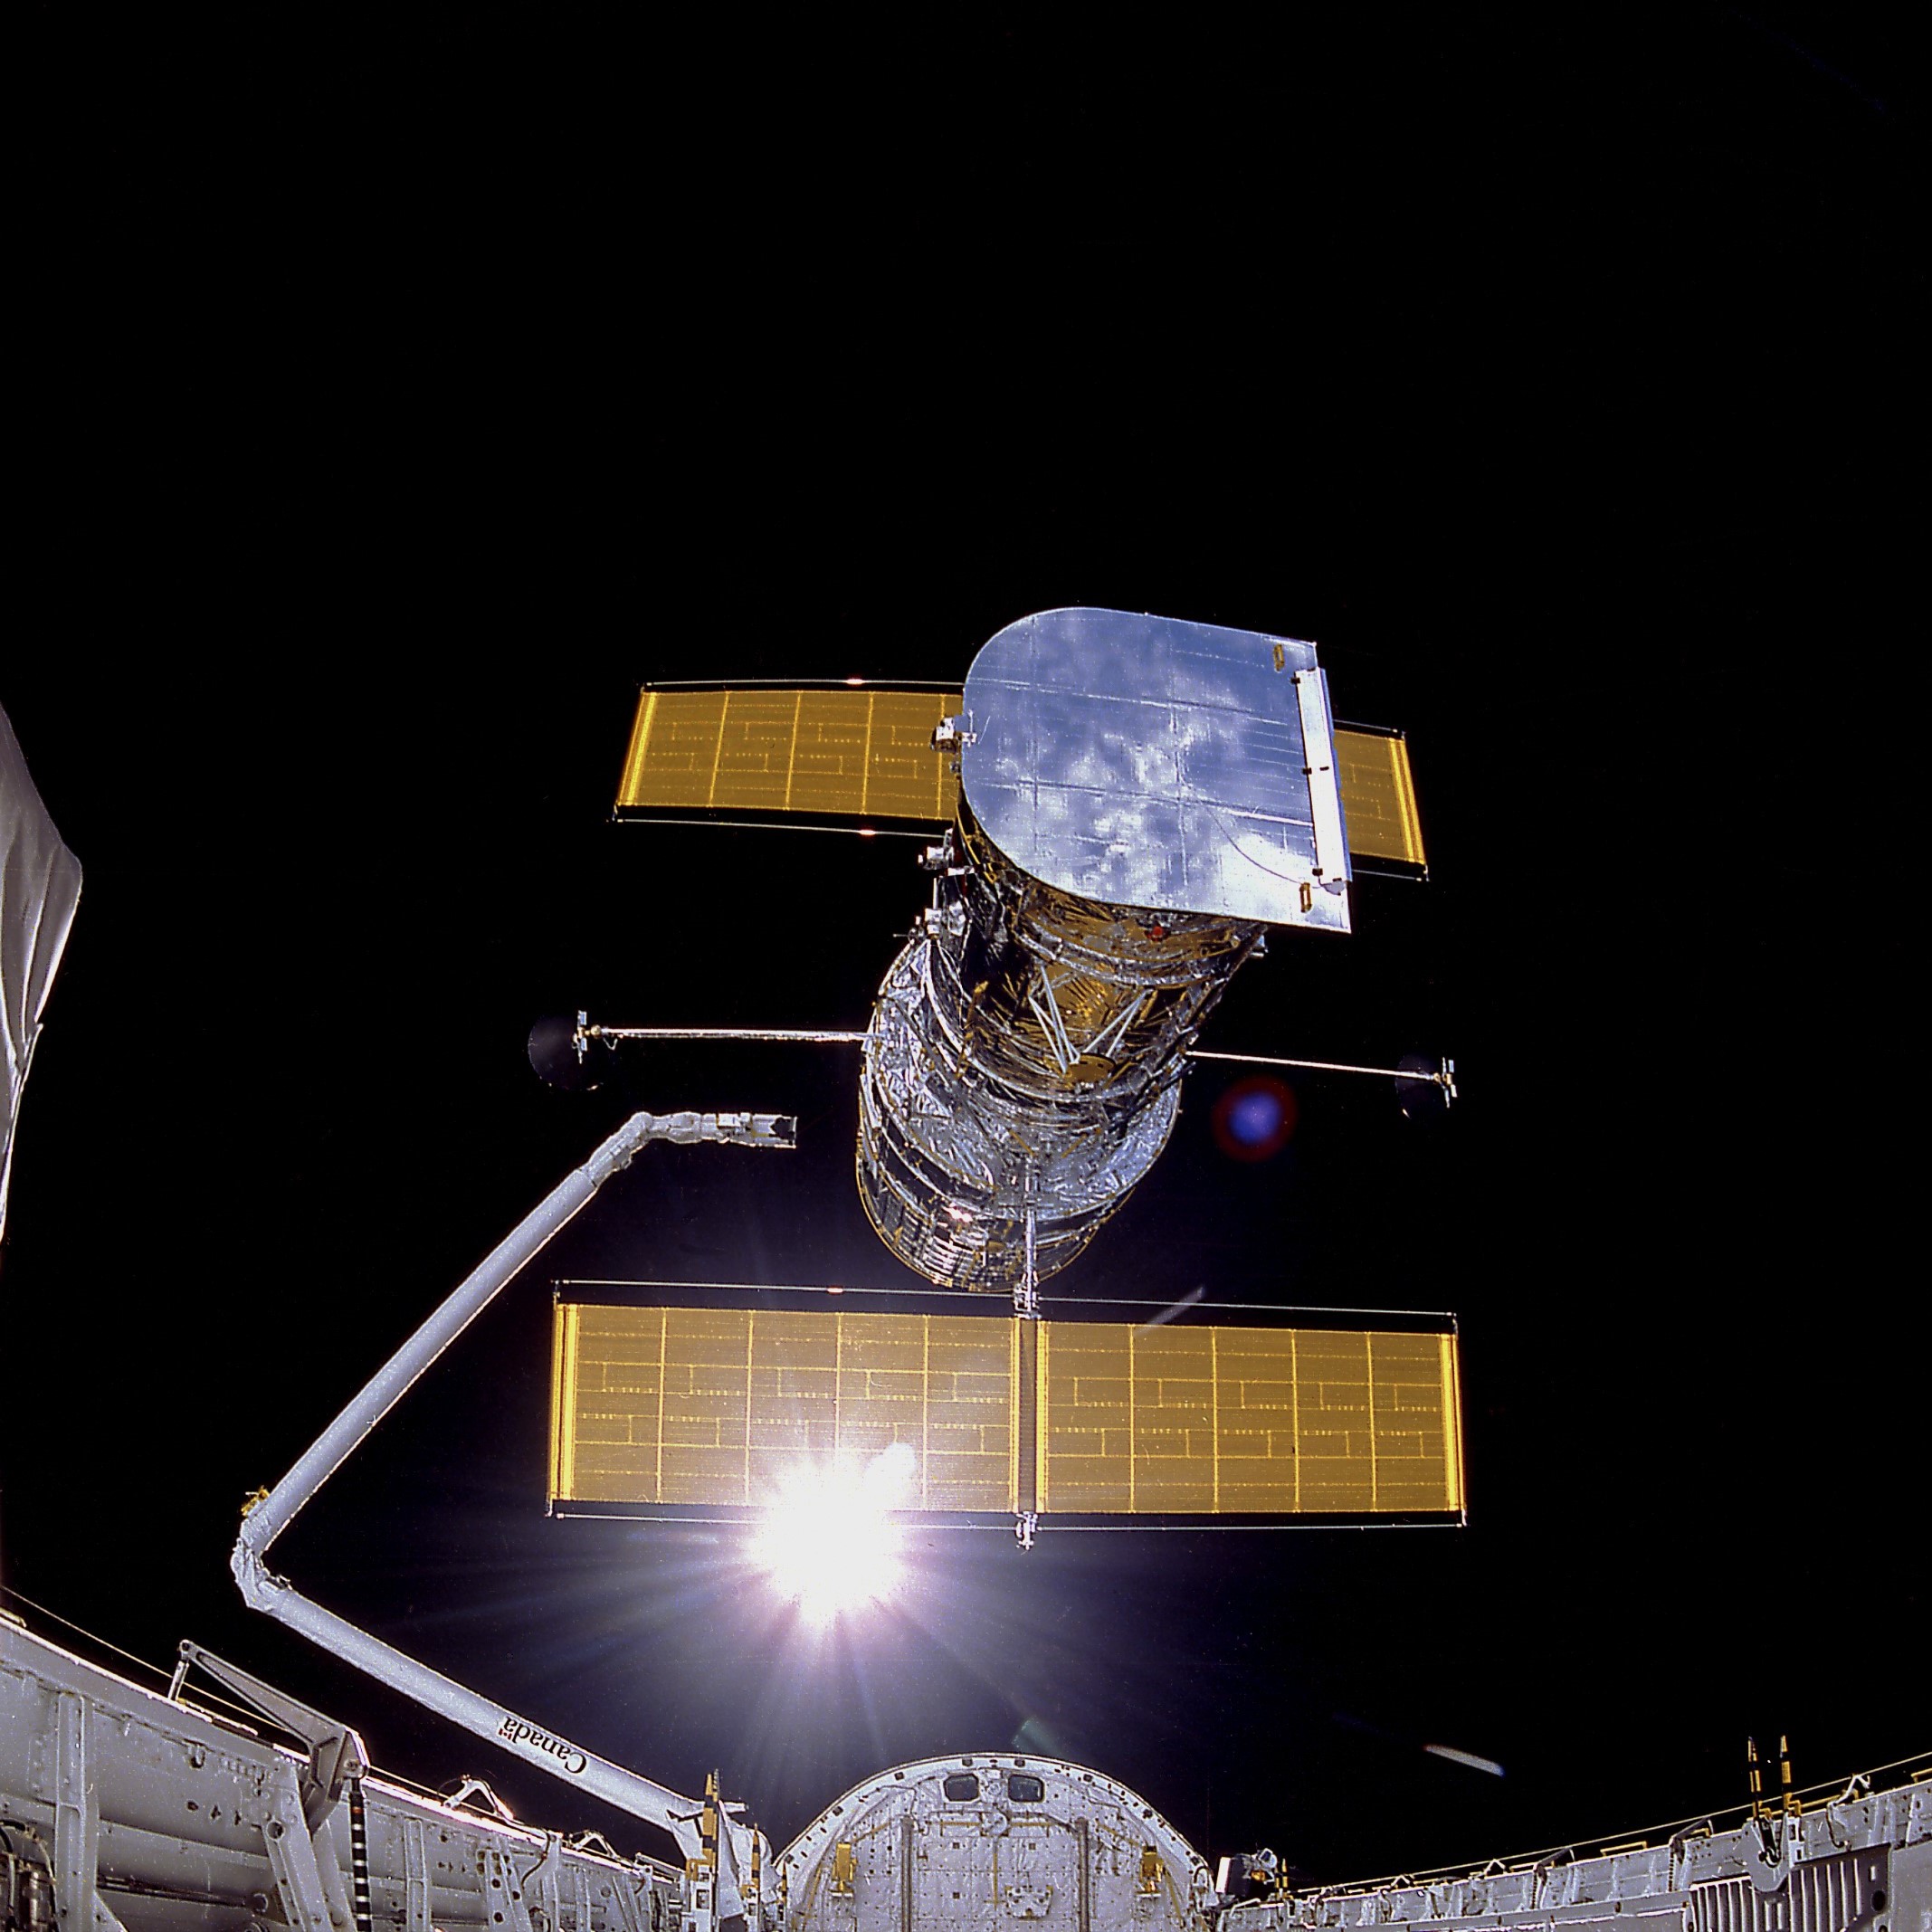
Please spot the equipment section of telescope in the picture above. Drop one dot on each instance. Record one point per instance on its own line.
(708, 1411)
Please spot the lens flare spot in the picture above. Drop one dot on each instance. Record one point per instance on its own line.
(1254, 1118)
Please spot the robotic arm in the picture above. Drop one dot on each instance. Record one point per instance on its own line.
(716, 1847)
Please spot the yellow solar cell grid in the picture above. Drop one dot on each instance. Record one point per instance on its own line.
(713, 1407)
(1088, 1418)
(1226, 1421)
(1177, 1404)
(1378, 797)
(844, 753)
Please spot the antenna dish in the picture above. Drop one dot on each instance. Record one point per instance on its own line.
(563, 1054)
(1424, 1088)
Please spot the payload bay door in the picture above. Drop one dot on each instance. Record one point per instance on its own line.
(986, 1869)
(949, 1867)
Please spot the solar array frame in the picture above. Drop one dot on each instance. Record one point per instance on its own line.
(705, 1410)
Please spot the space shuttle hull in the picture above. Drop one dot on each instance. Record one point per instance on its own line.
(121, 1808)
(125, 1811)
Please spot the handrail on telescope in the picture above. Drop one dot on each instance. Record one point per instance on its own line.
(273, 1512)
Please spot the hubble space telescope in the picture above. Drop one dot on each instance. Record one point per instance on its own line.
(1123, 807)
(1126, 806)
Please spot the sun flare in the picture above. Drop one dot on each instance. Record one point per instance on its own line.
(832, 1543)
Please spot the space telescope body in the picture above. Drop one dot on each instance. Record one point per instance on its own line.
(1140, 798)
(1021, 1070)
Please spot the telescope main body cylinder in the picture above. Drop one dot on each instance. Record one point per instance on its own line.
(1024, 1060)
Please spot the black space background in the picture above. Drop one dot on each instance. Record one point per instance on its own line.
(399, 392)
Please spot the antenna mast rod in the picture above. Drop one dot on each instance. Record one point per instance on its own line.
(1443, 1076)
(806, 1035)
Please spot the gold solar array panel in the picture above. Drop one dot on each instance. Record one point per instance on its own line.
(831, 753)
(713, 1407)
(1236, 1422)
(1378, 796)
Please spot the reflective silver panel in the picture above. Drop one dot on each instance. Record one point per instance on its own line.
(1147, 762)
(1022, 1066)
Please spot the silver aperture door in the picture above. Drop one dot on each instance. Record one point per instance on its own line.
(1148, 762)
